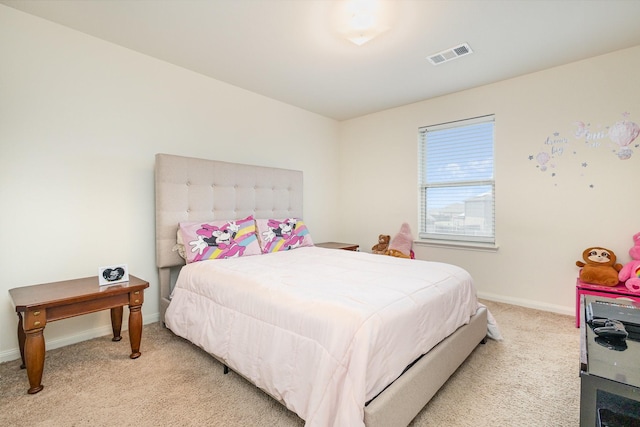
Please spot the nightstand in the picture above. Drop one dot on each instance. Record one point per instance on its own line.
(338, 245)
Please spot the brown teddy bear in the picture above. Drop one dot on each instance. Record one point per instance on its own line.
(600, 267)
(383, 244)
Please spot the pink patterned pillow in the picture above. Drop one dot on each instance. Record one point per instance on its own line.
(282, 234)
(219, 239)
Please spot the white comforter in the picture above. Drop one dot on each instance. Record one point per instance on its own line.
(322, 330)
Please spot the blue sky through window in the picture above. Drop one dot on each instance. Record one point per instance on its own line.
(460, 154)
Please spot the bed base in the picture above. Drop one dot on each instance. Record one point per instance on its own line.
(402, 400)
(399, 403)
(165, 282)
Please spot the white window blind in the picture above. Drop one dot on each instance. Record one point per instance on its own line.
(457, 189)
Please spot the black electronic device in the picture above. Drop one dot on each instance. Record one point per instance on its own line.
(612, 329)
(597, 323)
(628, 314)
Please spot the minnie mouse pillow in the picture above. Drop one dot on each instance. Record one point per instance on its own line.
(219, 239)
(282, 234)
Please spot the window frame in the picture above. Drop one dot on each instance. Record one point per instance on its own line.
(453, 239)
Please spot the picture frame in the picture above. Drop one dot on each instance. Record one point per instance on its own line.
(110, 275)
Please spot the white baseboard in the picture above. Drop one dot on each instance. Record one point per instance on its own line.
(14, 353)
(560, 309)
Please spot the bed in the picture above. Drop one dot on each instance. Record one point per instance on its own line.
(338, 358)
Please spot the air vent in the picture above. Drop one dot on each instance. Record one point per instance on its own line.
(449, 54)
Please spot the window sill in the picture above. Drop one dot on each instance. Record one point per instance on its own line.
(485, 247)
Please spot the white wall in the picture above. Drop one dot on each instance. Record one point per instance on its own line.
(80, 123)
(544, 222)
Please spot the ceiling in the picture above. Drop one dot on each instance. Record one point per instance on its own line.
(294, 52)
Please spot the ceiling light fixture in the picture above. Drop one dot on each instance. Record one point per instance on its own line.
(364, 20)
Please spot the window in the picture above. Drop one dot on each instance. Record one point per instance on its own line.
(457, 187)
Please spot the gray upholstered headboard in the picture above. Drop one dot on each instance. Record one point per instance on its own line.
(189, 189)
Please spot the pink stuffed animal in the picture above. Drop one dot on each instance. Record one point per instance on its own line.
(630, 273)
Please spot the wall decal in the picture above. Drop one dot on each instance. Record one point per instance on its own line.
(624, 133)
(618, 139)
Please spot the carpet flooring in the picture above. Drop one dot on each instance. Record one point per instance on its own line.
(531, 378)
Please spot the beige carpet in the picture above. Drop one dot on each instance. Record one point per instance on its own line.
(529, 379)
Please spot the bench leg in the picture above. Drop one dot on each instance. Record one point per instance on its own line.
(135, 330)
(116, 323)
(21, 338)
(34, 356)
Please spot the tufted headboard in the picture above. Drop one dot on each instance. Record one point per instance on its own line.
(189, 189)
